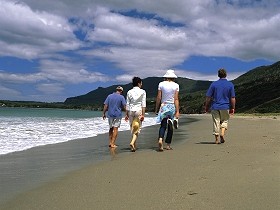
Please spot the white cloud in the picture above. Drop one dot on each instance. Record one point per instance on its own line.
(21, 78)
(6, 93)
(141, 34)
(31, 34)
(163, 34)
(50, 88)
(207, 77)
(69, 72)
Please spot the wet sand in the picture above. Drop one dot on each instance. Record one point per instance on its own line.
(242, 173)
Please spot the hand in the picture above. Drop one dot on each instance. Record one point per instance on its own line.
(126, 118)
(141, 118)
(104, 116)
(231, 111)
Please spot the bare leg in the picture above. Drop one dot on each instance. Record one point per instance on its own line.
(222, 135)
(217, 141)
(111, 137)
(135, 126)
(114, 136)
(133, 142)
(160, 144)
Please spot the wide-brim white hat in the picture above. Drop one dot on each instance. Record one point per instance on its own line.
(170, 74)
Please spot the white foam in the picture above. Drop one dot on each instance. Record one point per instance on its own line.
(21, 133)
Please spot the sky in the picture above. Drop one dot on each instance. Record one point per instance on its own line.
(55, 49)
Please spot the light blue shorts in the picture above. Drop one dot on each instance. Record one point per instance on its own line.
(114, 122)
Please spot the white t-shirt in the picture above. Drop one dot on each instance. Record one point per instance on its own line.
(168, 89)
(135, 99)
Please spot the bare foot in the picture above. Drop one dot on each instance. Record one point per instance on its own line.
(132, 148)
(113, 146)
(168, 147)
(160, 144)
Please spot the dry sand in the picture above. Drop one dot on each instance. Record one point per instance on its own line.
(242, 173)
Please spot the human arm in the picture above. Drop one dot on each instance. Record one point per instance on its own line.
(105, 109)
(176, 103)
(232, 102)
(127, 107)
(143, 105)
(207, 103)
(158, 100)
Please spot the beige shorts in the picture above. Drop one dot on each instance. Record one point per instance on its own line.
(220, 120)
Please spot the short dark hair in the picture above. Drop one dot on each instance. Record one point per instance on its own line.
(136, 81)
(222, 73)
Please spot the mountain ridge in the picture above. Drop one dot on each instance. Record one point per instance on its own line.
(258, 90)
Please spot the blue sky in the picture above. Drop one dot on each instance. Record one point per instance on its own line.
(55, 49)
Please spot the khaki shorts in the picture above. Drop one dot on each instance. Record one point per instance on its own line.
(114, 122)
(220, 120)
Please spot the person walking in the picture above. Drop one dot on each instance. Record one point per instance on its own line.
(114, 104)
(135, 109)
(167, 106)
(221, 96)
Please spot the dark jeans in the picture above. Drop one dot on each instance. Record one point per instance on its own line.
(163, 126)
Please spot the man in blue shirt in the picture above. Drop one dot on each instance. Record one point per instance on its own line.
(114, 104)
(221, 95)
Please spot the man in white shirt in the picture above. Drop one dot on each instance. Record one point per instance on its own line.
(135, 109)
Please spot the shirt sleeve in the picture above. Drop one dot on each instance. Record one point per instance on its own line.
(160, 86)
(144, 99)
(178, 87)
(209, 92)
(123, 101)
(106, 101)
(127, 101)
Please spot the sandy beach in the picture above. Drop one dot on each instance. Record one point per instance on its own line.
(242, 173)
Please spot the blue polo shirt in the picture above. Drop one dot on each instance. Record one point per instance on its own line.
(221, 91)
(115, 103)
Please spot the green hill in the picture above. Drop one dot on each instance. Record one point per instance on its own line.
(259, 90)
(256, 91)
(150, 84)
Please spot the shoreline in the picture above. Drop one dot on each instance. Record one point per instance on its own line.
(25, 170)
(242, 173)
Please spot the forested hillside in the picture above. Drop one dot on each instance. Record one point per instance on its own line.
(256, 91)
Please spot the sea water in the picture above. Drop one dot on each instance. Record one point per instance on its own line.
(25, 128)
(35, 145)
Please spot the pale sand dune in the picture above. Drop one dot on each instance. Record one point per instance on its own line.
(242, 173)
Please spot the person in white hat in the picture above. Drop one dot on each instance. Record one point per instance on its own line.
(167, 106)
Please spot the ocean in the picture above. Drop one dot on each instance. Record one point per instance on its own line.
(40, 145)
(25, 128)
